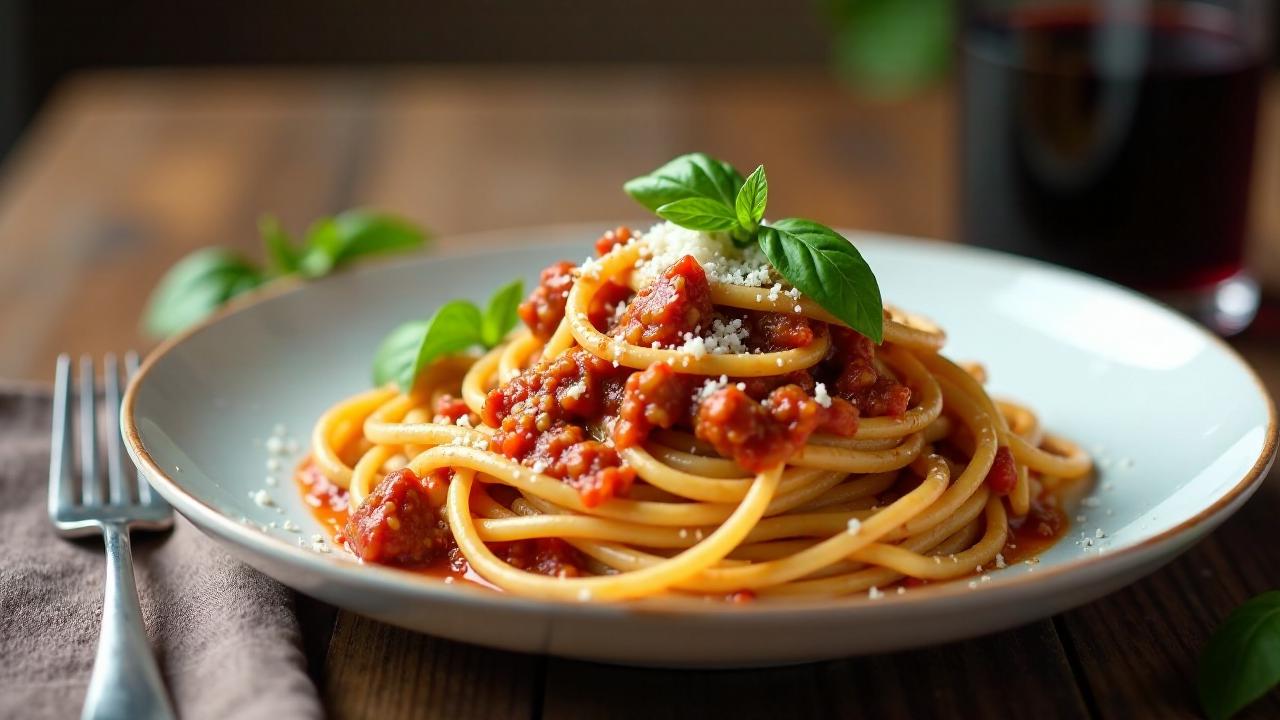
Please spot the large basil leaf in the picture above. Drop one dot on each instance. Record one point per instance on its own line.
(696, 175)
(409, 348)
(500, 315)
(823, 265)
(196, 286)
(1242, 660)
(334, 241)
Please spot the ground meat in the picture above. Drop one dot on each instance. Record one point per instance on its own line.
(655, 397)
(576, 386)
(678, 302)
(451, 408)
(552, 557)
(1003, 475)
(397, 524)
(595, 470)
(543, 310)
(758, 435)
(592, 468)
(540, 417)
(840, 419)
(773, 332)
(620, 235)
(851, 359)
(760, 387)
(603, 311)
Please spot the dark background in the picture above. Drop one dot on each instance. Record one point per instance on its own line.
(41, 41)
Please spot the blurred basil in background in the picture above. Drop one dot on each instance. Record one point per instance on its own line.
(891, 48)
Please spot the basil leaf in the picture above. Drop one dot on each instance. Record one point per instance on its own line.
(699, 214)
(280, 249)
(695, 175)
(823, 265)
(334, 241)
(414, 345)
(500, 316)
(891, 48)
(752, 199)
(1241, 662)
(196, 286)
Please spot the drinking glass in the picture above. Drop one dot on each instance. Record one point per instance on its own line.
(1117, 137)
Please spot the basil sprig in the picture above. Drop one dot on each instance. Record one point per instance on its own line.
(699, 192)
(1242, 660)
(203, 281)
(456, 326)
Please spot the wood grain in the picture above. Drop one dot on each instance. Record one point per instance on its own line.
(378, 671)
(921, 683)
(126, 172)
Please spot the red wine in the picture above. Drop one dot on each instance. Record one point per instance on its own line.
(1122, 148)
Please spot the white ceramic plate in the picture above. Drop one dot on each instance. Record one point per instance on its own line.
(1182, 430)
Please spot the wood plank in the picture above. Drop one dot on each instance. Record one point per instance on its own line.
(470, 149)
(125, 175)
(376, 670)
(1020, 673)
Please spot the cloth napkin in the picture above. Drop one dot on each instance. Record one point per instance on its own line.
(226, 636)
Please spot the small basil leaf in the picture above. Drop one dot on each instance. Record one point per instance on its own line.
(696, 175)
(699, 214)
(414, 345)
(331, 242)
(820, 263)
(397, 353)
(752, 199)
(196, 286)
(1242, 660)
(280, 249)
(500, 316)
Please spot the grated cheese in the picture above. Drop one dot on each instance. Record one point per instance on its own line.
(709, 387)
(724, 338)
(723, 263)
(820, 394)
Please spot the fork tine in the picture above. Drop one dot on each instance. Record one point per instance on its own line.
(90, 488)
(117, 489)
(62, 488)
(146, 496)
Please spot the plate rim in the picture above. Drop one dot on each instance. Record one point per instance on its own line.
(407, 581)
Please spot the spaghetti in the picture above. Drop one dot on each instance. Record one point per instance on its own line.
(659, 429)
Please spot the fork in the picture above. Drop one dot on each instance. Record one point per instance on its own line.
(125, 682)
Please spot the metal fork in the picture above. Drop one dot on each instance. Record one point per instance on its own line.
(125, 682)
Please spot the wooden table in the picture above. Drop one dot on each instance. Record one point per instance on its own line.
(124, 173)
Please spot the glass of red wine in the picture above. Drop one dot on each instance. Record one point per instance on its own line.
(1117, 137)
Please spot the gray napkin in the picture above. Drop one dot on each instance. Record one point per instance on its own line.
(226, 636)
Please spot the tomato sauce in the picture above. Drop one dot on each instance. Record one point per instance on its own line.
(1044, 525)
(329, 505)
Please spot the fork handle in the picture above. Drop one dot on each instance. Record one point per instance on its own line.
(125, 682)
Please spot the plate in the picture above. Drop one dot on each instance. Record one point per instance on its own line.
(1181, 429)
